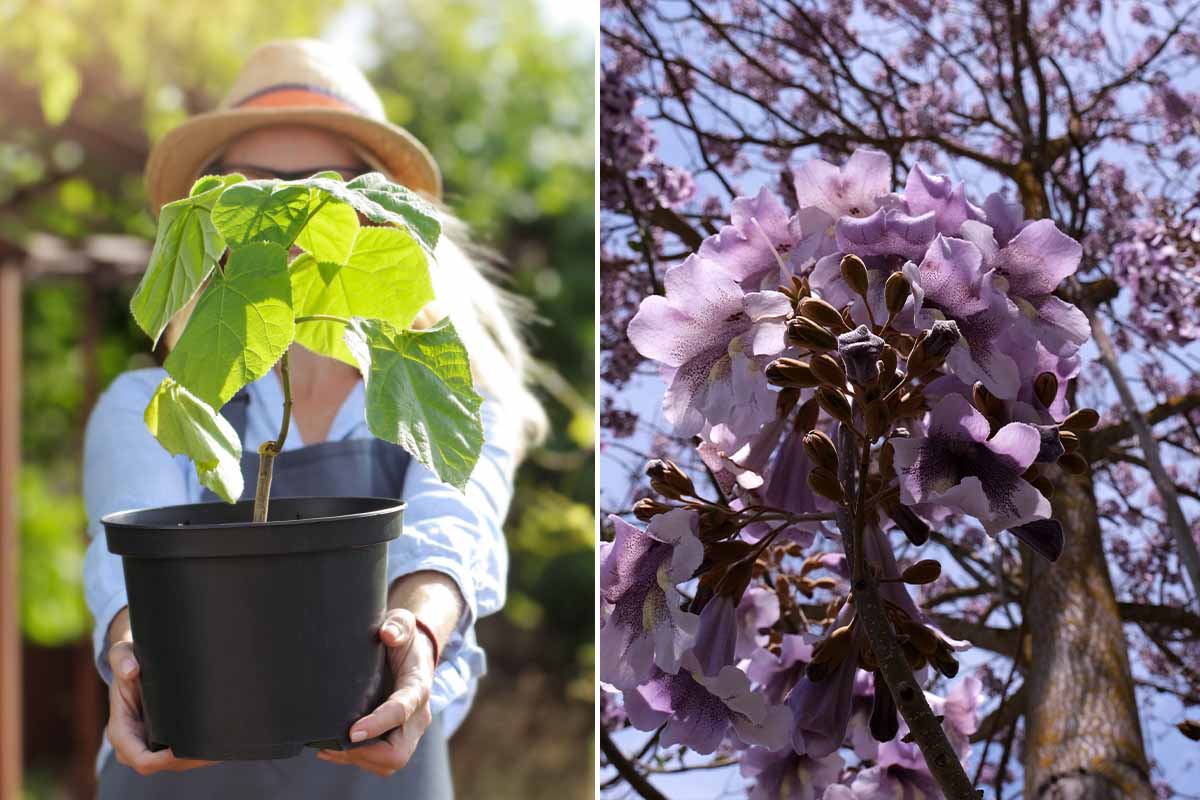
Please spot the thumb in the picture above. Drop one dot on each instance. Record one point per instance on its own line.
(398, 627)
(123, 661)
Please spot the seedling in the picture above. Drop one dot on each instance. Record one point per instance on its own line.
(352, 293)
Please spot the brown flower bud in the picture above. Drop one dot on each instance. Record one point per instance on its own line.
(854, 272)
(924, 571)
(877, 419)
(835, 404)
(1045, 388)
(821, 450)
(945, 662)
(668, 479)
(786, 401)
(1043, 485)
(896, 292)
(889, 359)
(932, 348)
(805, 332)
(988, 404)
(825, 483)
(807, 416)
(1069, 439)
(826, 368)
(648, 508)
(1074, 463)
(791, 373)
(1081, 419)
(822, 313)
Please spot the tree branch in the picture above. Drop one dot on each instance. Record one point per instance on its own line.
(617, 760)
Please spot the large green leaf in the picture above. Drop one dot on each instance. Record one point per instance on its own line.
(420, 395)
(386, 277)
(264, 211)
(242, 324)
(419, 216)
(330, 232)
(186, 249)
(186, 425)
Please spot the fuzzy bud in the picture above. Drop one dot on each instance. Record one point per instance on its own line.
(860, 351)
(648, 508)
(1074, 463)
(821, 450)
(854, 272)
(805, 332)
(924, 571)
(932, 348)
(1081, 419)
(915, 528)
(822, 313)
(669, 480)
(825, 483)
(835, 404)
(896, 292)
(791, 373)
(1045, 388)
(1052, 445)
(826, 368)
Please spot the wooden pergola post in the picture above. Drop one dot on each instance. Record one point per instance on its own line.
(10, 551)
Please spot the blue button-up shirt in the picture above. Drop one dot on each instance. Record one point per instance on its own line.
(445, 530)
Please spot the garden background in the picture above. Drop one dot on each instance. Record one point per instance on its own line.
(503, 95)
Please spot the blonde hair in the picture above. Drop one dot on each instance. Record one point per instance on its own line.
(484, 315)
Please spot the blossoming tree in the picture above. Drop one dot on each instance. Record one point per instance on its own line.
(875, 464)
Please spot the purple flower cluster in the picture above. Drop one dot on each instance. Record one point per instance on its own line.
(632, 176)
(1159, 263)
(925, 328)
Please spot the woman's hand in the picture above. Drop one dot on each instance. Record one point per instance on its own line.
(406, 713)
(126, 729)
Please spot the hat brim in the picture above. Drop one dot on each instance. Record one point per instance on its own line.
(176, 160)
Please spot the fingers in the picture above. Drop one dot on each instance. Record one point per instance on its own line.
(126, 730)
(411, 695)
(398, 628)
(123, 661)
(386, 757)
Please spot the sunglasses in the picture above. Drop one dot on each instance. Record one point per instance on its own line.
(257, 173)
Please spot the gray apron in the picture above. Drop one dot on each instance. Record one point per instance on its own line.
(351, 467)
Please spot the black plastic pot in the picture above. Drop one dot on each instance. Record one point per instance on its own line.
(256, 640)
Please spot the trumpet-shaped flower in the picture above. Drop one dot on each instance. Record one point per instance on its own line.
(646, 625)
(826, 193)
(955, 465)
(711, 339)
(754, 248)
(701, 712)
(784, 775)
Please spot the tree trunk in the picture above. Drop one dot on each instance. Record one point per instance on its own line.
(1083, 739)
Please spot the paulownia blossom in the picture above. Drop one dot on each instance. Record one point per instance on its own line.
(915, 343)
(956, 464)
(711, 339)
(638, 574)
(701, 711)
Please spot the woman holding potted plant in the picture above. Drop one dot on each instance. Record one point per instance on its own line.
(299, 109)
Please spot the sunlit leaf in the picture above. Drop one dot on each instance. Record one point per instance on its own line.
(420, 395)
(242, 324)
(386, 277)
(186, 425)
(186, 249)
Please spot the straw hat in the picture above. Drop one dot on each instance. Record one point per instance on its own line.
(292, 82)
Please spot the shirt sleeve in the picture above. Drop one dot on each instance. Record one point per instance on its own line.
(124, 467)
(461, 535)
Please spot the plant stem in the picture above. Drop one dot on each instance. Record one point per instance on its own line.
(269, 449)
(939, 756)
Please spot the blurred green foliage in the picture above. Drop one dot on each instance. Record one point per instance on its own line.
(506, 105)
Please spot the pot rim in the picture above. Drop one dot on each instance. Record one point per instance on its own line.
(126, 536)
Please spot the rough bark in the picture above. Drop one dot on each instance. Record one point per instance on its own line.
(1083, 738)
